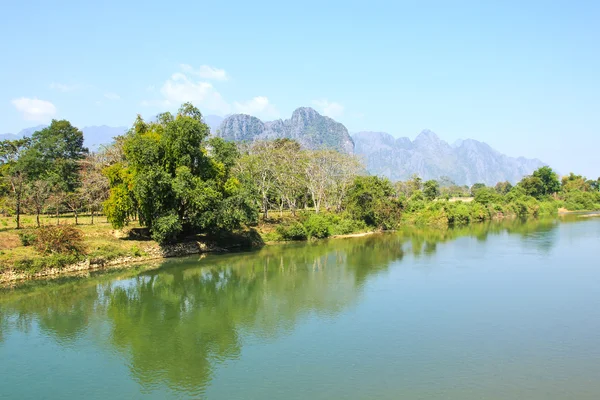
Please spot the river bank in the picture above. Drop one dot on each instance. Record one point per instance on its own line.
(112, 249)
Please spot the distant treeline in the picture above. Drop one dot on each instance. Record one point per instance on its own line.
(175, 179)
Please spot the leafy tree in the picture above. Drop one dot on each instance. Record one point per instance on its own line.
(486, 195)
(54, 155)
(533, 186)
(476, 187)
(549, 178)
(503, 188)
(172, 182)
(574, 182)
(371, 199)
(431, 190)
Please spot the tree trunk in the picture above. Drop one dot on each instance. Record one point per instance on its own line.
(37, 217)
(265, 208)
(75, 213)
(18, 210)
(92, 212)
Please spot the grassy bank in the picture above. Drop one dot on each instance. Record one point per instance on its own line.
(103, 244)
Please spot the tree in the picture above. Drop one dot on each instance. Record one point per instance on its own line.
(38, 194)
(574, 182)
(371, 199)
(94, 184)
(476, 187)
(54, 155)
(549, 178)
(532, 186)
(13, 171)
(486, 195)
(431, 190)
(257, 166)
(172, 182)
(75, 201)
(503, 188)
(318, 170)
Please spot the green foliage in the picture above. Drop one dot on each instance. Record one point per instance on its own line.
(476, 187)
(371, 200)
(549, 178)
(580, 201)
(175, 180)
(317, 226)
(431, 190)
(58, 261)
(59, 239)
(54, 155)
(27, 239)
(294, 231)
(486, 196)
(533, 186)
(166, 228)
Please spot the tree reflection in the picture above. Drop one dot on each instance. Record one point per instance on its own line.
(176, 324)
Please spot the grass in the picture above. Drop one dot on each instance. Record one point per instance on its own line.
(99, 239)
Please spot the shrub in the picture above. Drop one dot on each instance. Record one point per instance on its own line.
(295, 231)
(166, 228)
(59, 261)
(61, 239)
(136, 252)
(27, 239)
(317, 227)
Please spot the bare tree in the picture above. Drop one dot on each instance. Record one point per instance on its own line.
(38, 194)
(258, 166)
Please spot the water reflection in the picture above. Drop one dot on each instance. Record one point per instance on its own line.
(174, 325)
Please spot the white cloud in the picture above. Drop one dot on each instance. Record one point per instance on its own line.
(35, 109)
(258, 106)
(206, 72)
(61, 87)
(180, 89)
(330, 109)
(112, 96)
(186, 86)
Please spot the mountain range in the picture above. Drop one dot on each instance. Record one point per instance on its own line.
(311, 129)
(465, 162)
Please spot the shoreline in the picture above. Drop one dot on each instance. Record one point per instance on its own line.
(156, 254)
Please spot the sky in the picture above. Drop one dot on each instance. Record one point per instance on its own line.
(522, 76)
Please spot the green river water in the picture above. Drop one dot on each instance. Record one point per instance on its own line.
(498, 311)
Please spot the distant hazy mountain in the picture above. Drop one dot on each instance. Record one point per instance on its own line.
(213, 122)
(94, 136)
(308, 127)
(465, 162)
(24, 133)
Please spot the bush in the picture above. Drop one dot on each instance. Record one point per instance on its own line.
(27, 239)
(61, 239)
(317, 226)
(59, 261)
(295, 231)
(458, 213)
(166, 228)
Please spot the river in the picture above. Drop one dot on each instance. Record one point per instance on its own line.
(496, 311)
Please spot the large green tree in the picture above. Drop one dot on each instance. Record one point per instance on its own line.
(55, 154)
(549, 178)
(173, 181)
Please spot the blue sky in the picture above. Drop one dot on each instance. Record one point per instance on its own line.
(521, 76)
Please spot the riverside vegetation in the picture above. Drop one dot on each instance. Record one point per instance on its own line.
(168, 181)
